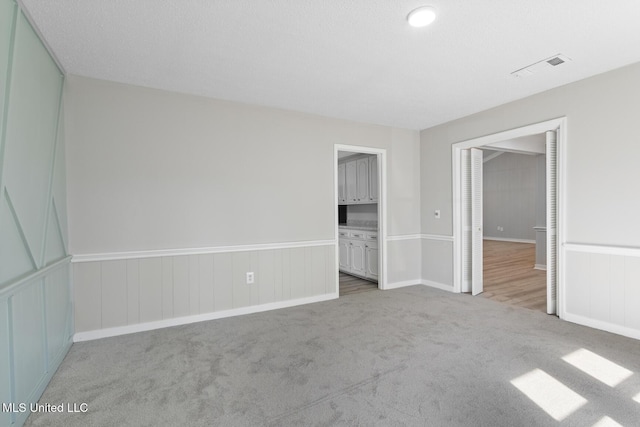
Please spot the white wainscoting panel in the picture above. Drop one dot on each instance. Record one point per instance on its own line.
(602, 287)
(403, 260)
(437, 261)
(117, 295)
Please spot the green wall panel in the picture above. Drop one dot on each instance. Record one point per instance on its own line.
(5, 379)
(58, 302)
(7, 12)
(32, 119)
(29, 361)
(35, 303)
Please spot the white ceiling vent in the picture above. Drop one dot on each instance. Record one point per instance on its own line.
(540, 66)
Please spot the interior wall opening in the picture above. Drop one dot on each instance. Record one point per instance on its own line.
(514, 223)
(359, 218)
(472, 233)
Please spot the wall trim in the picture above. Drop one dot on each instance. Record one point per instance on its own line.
(404, 283)
(185, 320)
(11, 286)
(602, 325)
(437, 237)
(113, 256)
(437, 285)
(602, 249)
(422, 282)
(404, 237)
(508, 239)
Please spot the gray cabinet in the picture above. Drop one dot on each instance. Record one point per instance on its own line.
(344, 259)
(351, 174)
(342, 183)
(362, 180)
(358, 253)
(373, 179)
(371, 259)
(358, 181)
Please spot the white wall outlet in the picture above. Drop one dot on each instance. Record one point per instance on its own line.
(436, 213)
(250, 277)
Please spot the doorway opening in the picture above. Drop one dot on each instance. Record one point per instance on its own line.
(468, 206)
(360, 212)
(513, 197)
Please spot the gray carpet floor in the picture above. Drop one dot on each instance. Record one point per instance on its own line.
(414, 356)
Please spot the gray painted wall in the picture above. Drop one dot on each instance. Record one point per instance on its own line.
(509, 199)
(152, 170)
(602, 146)
(600, 243)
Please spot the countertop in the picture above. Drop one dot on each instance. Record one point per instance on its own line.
(363, 227)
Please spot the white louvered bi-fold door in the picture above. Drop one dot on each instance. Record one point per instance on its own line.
(476, 221)
(465, 179)
(552, 235)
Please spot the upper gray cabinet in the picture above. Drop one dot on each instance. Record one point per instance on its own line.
(351, 182)
(362, 180)
(373, 179)
(342, 184)
(358, 180)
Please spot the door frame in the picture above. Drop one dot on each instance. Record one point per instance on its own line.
(381, 153)
(560, 126)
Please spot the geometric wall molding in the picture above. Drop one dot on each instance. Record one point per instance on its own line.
(36, 322)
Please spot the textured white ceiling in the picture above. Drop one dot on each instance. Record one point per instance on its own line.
(356, 59)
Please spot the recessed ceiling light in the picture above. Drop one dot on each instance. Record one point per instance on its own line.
(422, 16)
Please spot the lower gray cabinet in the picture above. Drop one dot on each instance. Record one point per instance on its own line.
(358, 253)
(371, 262)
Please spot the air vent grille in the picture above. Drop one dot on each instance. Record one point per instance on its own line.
(541, 66)
(555, 61)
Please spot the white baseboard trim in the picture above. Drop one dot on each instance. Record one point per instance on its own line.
(176, 321)
(437, 285)
(396, 285)
(441, 286)
(602, 325)
(506, 239)
(542, 267)
(112, 256)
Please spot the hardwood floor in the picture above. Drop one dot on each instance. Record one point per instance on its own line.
(350, 285)
(509, 276)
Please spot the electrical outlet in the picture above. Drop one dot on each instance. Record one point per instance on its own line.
(250, 277)
(436, 213)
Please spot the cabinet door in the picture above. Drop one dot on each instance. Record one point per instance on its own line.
(342, 186)
(363, 180)
(357, 256)
(351, 182)
(373, 178)
(371, 252)
(344, 249)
